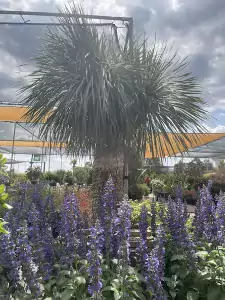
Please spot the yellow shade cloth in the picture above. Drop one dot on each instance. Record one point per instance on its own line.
(16, 114)
(196, 140)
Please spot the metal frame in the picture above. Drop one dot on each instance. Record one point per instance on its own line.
(127, 23)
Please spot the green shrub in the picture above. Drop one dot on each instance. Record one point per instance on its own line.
(51, 176)
(19, 177)
(157, 185)
(34, 173)
(81, 174)
(60, 174)
(137, 191)
(136, 210)
(69, 179)
(207, 282)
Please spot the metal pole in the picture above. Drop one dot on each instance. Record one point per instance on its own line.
(126, 178)
(131, 28)
(61, 14)
(42, 155)
(13, 147)
(55, 24)
(126, 168)
(50, 150)
(61, 158)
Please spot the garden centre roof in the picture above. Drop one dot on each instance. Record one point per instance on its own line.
(18, 137)
(200, 145)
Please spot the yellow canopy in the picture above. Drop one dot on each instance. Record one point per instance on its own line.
(196, 140)
(10, 113)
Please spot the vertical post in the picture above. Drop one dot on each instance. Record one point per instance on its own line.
(42, 156)
(13, 147)
(50, 151)
(49, 159)
(130, 37)
(131, 28)
(126, 178)
(61, 158)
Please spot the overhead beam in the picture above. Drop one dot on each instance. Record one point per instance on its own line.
(54, 24)
(59, 14)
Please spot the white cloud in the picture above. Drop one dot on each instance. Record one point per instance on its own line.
(217, 129)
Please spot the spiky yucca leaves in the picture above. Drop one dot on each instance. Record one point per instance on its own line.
(98, 99)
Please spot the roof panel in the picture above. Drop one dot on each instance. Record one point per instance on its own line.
(196, 140)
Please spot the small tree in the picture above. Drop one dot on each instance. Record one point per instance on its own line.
(180, 167)
(195, 168)
(81, 175)
(73, 163)
(33, 173)
(208, 165)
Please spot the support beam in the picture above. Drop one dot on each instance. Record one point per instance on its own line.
(55, 24)
(60, 14)
(13, 146)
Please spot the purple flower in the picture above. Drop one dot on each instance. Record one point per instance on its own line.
(205, 223)
(123, 231)
(94, 261)
(37, 241)
(220, 217)
(142, 247)
(153, 217)
(68, 232)
(176, 222)
(107, 212)
(155, 264)
(179, 193)
(9, 260)
(143, 223)
(24, 252)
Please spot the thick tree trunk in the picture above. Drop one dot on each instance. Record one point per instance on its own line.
(104, 167)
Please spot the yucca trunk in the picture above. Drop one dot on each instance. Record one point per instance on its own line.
(104, 167)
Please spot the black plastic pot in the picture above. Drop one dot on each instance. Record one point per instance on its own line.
(34, 181)
(52, 183)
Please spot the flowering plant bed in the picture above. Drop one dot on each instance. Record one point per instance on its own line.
(65, 255)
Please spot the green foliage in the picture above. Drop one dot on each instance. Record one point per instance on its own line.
(137, 191)
(157, 185)
(136, 209)
(60, 176)
(207, 281)
(72, 283)
(3, 168)
(81, 175)
(51, 176)
(195, 168)
(68, 283)
(33, 173)
(19, 177)
(69, 179)
(3, 194)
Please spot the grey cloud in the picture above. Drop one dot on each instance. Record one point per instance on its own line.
(194, 13)
(199, 29)
(141, 16)
(7, 81)
(199, 65)
(199, 23)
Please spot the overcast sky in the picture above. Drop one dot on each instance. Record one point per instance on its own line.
(197, 29)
